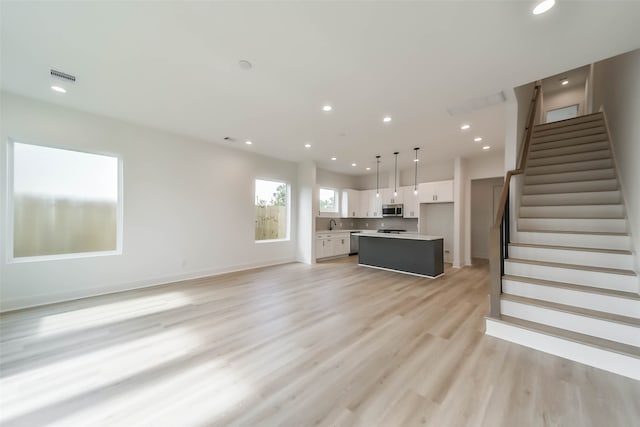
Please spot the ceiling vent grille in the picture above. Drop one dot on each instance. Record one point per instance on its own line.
(477, 104)
(64, 76)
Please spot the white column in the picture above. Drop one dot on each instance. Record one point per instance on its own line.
(458, 211)
(306, 212)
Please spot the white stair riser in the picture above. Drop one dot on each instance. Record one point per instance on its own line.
(599, 130)
(588, 300)
(569, 158)
(568, 142)
(584, 198)
(597, 279)
(576, 240)
(571, 149)
(565, 127)
(601, 328)
(571, 187)
(573, 211)
(564, 256)
(610, 361)
(571, 176)
(570, 167)
(574, 224)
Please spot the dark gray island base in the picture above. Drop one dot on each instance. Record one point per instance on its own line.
(406, 253)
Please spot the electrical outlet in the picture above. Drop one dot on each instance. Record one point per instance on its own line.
(340, 225)
(382, 224)
(447, 251)
(351, 225)
(366, 224)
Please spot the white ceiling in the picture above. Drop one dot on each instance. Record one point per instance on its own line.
(174, 66)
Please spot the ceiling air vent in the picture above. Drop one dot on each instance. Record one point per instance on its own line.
(63, 76)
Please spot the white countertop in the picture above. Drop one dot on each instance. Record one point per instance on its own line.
(408, 236)
(342, 230)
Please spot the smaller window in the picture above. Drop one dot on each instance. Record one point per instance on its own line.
(271, 210)
(563, 113)
(328, 200)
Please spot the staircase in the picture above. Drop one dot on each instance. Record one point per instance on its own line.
(568, 286)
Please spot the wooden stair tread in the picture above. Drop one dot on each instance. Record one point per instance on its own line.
(542, 150)
(601, 315)
(574, 266)
(571, 217)
(573, 248)
(573, 287)
(626, 349)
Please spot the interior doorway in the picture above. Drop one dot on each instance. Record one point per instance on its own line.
(485, 197)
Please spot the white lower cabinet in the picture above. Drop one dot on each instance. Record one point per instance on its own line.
(332, 244)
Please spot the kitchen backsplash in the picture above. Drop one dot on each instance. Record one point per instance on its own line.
(408, 224)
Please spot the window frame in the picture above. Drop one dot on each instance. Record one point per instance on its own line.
(287, 237)
(9, 203)
(336, 197)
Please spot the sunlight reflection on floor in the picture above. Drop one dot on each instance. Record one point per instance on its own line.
(58, 381)
(109, 313)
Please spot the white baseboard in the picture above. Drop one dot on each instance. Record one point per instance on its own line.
(7, 305)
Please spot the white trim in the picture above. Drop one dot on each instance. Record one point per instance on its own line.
(400, 271)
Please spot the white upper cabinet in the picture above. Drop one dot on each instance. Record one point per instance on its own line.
(351, 207)
(411, 208)
(388, 197)
(435, 192)
(370, 205)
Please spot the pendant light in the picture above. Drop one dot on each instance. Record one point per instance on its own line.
(415, 176)
(395, 177)
(378, 176)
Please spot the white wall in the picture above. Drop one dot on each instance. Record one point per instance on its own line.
(428, 172)
(188, 206)
(617, 88)
(564, 98)
(336, 180)
(436, 219)
(482, 214)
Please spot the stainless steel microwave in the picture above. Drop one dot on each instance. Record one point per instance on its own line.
(391, 210)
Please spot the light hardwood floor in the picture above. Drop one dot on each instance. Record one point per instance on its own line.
(294, 345)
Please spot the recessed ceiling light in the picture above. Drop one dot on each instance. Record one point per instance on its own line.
(307, 145)
(543, 6)
(465, 126)
(327, 108)
(477, 139)
(59, 89)
(416, 160)
(333, 158)
(353, 164)
(368, 169)
(248, 142)
(486, 147)
(244, 64)
(565, 82)
(387, 119)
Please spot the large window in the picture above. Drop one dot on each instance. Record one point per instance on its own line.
(272, 210)
(63, 202)
(328, 200)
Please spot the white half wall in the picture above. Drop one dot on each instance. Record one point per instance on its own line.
(188, 206)
(616, 86)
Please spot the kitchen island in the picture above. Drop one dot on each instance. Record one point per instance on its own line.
(411, 253)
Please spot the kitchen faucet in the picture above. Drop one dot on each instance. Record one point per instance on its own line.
(334, 223)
